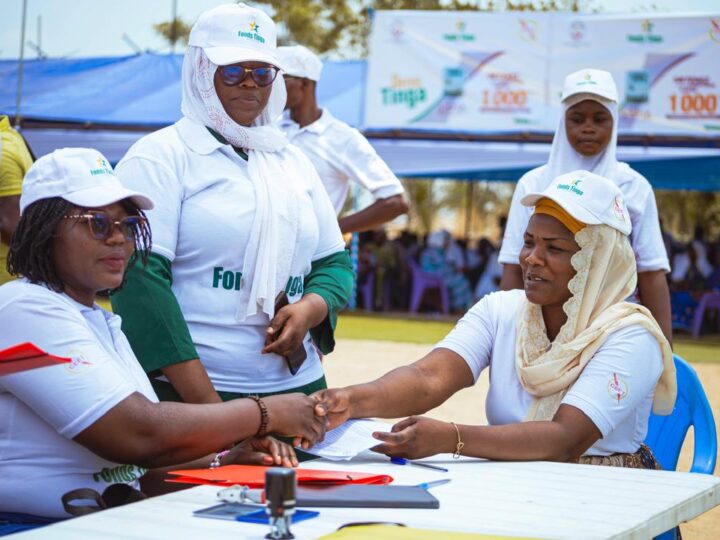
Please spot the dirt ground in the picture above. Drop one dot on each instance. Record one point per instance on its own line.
(360, 361)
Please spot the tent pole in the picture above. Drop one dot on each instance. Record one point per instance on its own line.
(21, 60)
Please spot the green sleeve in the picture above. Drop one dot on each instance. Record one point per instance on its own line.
(332, 278)
(151, 316)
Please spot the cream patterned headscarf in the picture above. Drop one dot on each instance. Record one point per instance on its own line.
(605, 276)
(273, 237)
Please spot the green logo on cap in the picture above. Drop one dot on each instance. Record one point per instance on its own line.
(572, 186)
(102, 167)
(253, 33)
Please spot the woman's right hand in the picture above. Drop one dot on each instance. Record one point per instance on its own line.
(334, 405)
(293, 415)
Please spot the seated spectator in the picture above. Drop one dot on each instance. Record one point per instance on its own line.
(492, 273)
(97, 421)
(435, 259)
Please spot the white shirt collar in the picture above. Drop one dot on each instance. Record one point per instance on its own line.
(197, 137)
(317, 127)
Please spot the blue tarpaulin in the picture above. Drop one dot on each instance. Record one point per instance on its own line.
(144, 90)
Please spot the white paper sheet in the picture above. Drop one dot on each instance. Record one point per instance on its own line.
(349, 439)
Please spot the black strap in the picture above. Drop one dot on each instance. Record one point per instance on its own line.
(114, 495)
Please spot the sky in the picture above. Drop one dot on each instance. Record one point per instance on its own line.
(82, 28)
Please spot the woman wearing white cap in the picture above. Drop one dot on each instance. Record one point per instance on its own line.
(574, 369)
(586, 138)
(240, 218)
(96, 422)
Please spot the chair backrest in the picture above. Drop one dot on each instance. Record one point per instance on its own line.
(666, 433)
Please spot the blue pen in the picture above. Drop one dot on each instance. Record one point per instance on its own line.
(403, 461)
(428, 485)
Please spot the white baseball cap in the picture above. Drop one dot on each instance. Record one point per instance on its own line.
(587, 197)
(79, 175)
(590, 81)
(299, 61)
(232, 33)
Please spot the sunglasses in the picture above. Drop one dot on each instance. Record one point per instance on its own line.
(102, 227)
(234, 75)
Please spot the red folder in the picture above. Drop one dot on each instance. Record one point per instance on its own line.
(26, 356)
(254, 476)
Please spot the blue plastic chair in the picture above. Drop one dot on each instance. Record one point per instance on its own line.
(666, 434)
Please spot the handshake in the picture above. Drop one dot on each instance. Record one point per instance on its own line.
(305, 419)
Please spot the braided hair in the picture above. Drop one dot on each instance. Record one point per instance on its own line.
(31, 248)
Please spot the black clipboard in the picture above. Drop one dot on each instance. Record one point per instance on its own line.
(365, 496)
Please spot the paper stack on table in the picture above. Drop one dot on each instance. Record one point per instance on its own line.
(349, 439)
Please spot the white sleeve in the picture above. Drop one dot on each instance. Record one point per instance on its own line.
(646, 237)
(69, 397)
(330, 239)
(517, 221)
(363, 165)
(621, 374)
(158, 181)
(473, 336)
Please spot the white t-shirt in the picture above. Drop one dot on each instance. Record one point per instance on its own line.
(342, 155)
(203, 215)
(646, 238)
(615, 390)
(41, 410)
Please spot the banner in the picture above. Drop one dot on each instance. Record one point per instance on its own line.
(503, 72)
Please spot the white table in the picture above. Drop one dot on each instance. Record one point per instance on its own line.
(535, 499)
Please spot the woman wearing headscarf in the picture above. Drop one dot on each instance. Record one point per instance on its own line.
(93, 429)
(242, 227)
(574, 369)
(586, 139)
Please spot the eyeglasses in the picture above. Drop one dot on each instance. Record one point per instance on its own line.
(234, 75)
(102, 227)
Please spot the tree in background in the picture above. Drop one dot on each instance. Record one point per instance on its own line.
(174, 31)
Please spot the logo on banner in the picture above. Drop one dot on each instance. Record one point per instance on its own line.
(403, 91)
(647, 35)
(577, 31)
(397, 30)
(528, 30)
(460, 34)
(714, 30)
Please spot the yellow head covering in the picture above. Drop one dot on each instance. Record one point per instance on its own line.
(551, 208)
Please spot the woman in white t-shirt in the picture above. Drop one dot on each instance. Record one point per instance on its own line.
(574, 369)
(240, 218)
(586, 139)
(96, 422)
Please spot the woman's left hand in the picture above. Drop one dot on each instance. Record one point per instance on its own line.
(290, 324)
(416, 437)
(263, 451)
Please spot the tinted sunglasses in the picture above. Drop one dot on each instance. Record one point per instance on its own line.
(102, 227)
(234, 75)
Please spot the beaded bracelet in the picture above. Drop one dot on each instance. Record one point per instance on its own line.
(460, 444)
(264, 417)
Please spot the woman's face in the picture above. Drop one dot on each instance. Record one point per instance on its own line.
(243, 102)
(86, 264)
(545, 261)
(588, 126)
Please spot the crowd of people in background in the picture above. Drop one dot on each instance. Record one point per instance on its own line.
(469, 268)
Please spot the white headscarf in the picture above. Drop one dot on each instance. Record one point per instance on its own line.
(273, 236)
(564, 158)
